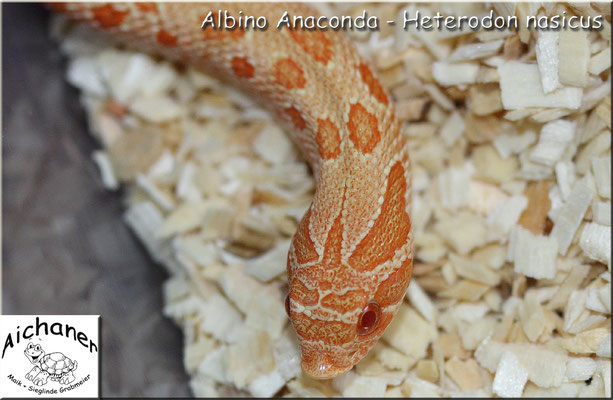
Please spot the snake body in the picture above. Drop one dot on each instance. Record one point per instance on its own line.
(351, 259)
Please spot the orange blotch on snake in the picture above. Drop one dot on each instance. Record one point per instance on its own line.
(326, 277)
(108, 16)
(393, 288)
(214, 33)
(147, 7)
(327, 138)
(237, 33)
(315, 43)
(302, 294)
(296, 118)
(373, 84)
(391, 228)
(363, 128)
(334, 242)
(288, 74)
(166, 38)
(344, 302)
(304, 247)
(242, 68)
(328, 332)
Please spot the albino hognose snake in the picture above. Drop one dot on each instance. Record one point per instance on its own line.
(351, 259)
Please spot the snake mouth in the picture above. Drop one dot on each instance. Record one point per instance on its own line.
(324, 371)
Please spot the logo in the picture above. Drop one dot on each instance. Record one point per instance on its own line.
(49, 356)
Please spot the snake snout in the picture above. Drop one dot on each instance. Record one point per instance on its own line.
(321, 363)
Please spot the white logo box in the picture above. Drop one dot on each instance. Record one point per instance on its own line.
(49, 356)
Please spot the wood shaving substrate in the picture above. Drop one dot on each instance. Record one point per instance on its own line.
(511, 149)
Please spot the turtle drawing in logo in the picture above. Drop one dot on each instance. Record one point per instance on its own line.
(54, 366)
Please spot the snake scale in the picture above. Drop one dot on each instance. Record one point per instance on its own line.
(351, 259)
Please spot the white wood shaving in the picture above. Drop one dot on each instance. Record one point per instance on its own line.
(600, 62)
(453, 129)
(554, 138)
(580, 368)
(534, 255)
(476, 50)
(601, 168)
(504, 216)
(511, 376)
(574, 56)
(569, 215)
(601, 212)
(422, 303)
(596, 242)
(507, 144)
(453, 186)
(521, 87)
(565, 176)
(448, 74)
(106, 170)
(548, 60)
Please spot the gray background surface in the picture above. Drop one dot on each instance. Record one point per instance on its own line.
(65, 248)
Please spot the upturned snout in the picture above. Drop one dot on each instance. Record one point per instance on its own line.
(320, 362)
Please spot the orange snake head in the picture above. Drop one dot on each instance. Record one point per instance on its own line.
(338, 312)
(332, 347)
(332, 341)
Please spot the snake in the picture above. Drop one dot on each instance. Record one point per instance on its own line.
(351, 259)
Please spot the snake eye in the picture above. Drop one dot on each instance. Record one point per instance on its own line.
(287, 305)
(369, 319)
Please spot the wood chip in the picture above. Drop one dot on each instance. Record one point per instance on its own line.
(534, 256)
(465, 290)
(521, 87)
(600, 62)
(548, 60)
(482, 129)
(476, 50)
(534, 217)
(491, 166)
(484, 99)
(569, 216)
(414, 345)
(447, 74)
(472, 226)
(554, 138)
(601, 167)
(574, 56)
(427, 370)
(511, 376)
(475, 271)
(513, 48)
(587, 342)
(596, 242)
(414, 109)
(465, 374)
